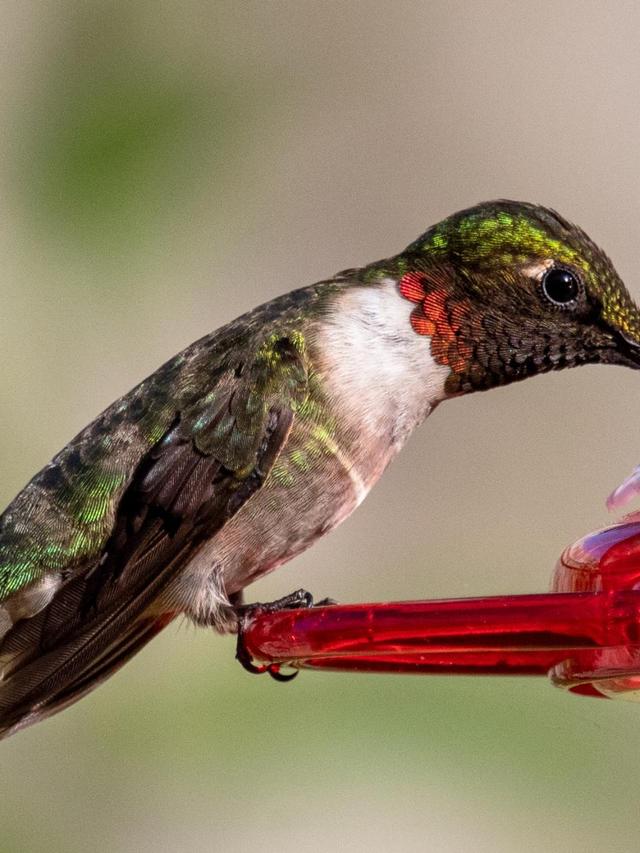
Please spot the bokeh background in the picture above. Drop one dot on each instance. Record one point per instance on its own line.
(166, 166)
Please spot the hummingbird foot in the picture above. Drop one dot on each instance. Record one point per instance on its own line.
(294, 600)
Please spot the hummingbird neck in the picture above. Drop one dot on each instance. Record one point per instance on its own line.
(377, 372)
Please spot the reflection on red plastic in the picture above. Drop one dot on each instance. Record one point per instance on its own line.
(585, 634)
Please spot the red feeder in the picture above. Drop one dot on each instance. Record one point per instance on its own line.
(585, 633)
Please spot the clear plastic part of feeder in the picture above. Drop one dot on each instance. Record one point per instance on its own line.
(606, 563)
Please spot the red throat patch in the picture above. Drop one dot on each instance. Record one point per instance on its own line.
(441, 317)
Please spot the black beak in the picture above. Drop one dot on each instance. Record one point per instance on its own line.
(627, 350)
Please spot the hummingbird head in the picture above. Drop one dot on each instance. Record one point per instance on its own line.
(505, 290)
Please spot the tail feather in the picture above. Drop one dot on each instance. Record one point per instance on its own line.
(29, 695)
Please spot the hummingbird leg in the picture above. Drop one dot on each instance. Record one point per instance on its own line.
(294, 600)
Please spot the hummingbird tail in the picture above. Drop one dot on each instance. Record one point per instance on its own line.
(44, 699)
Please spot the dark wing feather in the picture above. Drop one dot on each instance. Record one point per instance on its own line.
(208, 464)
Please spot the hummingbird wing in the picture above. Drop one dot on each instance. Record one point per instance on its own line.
(213, 458)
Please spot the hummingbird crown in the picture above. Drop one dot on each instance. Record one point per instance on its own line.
(507, 289)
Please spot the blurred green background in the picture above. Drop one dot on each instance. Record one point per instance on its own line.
(165, 166)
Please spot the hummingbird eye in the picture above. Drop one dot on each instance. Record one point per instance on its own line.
(561, 286)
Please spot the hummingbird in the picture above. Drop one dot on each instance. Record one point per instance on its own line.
(243, 449)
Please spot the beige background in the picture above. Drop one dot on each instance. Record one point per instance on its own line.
(164, 167)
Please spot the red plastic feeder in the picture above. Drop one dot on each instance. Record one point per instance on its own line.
(584, 634)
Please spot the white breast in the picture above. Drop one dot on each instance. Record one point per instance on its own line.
(376, 369)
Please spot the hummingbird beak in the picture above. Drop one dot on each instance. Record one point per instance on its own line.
(627, 350)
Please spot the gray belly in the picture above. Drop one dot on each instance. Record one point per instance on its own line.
(298, 503)
(276, 525)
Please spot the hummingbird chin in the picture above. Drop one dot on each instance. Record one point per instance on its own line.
(243, 449)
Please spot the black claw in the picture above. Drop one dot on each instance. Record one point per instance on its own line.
(274, 671)
(298, 599)
(243, 657)
(325, 602)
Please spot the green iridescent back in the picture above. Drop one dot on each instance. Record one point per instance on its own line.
(64, 516)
